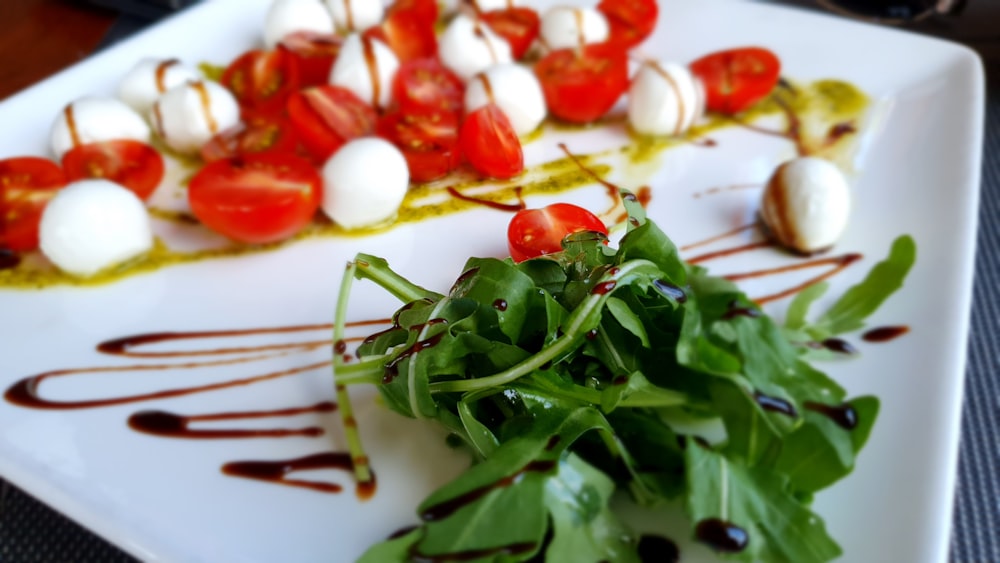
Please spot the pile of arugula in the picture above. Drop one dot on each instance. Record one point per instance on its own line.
(581, 372)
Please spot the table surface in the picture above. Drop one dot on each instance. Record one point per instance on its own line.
(30, 531)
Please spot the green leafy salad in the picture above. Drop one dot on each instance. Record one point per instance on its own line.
(577, 374)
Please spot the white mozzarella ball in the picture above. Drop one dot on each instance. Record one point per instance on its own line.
(468, 47)
(366, 67)
(92, 224)
(566, 27)
(356, 15)
(93, 119)
(364, 183)
(187, 116)
(149, 79)
(514, 89)
(664, 99)
(289, 16)
(806, 204)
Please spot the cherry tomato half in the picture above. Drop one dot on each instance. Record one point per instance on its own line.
(427, 85)
(582, 85)
(408, 29)
(490, 144)
(736, 79)
(27, 184)
(631, 21)
(536, 232)
(326, 117)
(314, 54)
(428, 141)
(261, 81)
(519, 26)
(255, 135)
(256, 199)
(131, 163)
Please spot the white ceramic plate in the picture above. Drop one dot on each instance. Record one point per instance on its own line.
(166, 499)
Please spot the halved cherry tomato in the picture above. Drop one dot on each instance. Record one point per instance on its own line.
(256, 199)
(536, 232)
(131, 163)
(255, 135)
(261, 81)
(582, 85)
(490, 144)
(314, 54)
(631, 21)
(326, 117)
(519, 26)
(428, 141)
(27, 184)
(736, 79)
(427, 85)
(408, 29)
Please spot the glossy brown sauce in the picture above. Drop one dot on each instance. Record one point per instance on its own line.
(206, 106)
(885, 333)
(657, 549)
(74, 134)
(722, 536)
(843, 415)
(277, 472)
(372, 63)
(729, 251)
(775, 404)
(161, 74)
(513, 207)
(446, 508)
(171, 425)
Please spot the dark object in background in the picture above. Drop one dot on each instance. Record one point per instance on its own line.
(144, 9)
(896, 11)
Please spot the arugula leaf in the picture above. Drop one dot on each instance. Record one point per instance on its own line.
(798, 309)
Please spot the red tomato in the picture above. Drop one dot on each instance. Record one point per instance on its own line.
(736, 79)
(131, 163)
(428, 141)
(27, 184)
(519, 26)
(490, 144)
(536, 232)
(426, 85)
(256, 199)
(631, 21)
(258, 134)
(262, 80)
(582, 85)
(408, 29)
(326, 117)
(314, 54)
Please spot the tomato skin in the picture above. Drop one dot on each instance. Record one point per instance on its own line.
(537, 232)
(490, 144)
(518, 25)
(428, 141)
(326, 117)
(133, 164)
(408, 29)
(736, 79)
(261, 81)
(580, 87)
(630, 21)
(314, 54)
(256, 199)
(427, 85)
(27, 184)
(254, 135)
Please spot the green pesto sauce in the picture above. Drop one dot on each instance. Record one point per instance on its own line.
(825, 102)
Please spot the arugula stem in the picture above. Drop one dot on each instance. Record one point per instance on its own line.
(378, 271)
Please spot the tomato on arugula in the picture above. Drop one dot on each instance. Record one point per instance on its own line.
(261, 81)
(326, 117)
(631, 21)
(428, 141)
(254, 135)
(314, 54)
(490, 144)
(27, 184)
(736, 79)
(427, 85)
(518, 25)
(536, 232)
(581, 85)
(130, 163)
(256, 199)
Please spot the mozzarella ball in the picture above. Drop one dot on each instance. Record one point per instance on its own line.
(468, 47)
(289, 16)
(664, 99)
(92, 224)
(370, 82)
(187, 116)
(806, 204)
(514, 89)
(93, 119)
(364, 183)
(566, 27)
(149, 79)
(356, 15)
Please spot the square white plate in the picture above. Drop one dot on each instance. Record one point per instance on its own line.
(163, 499)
